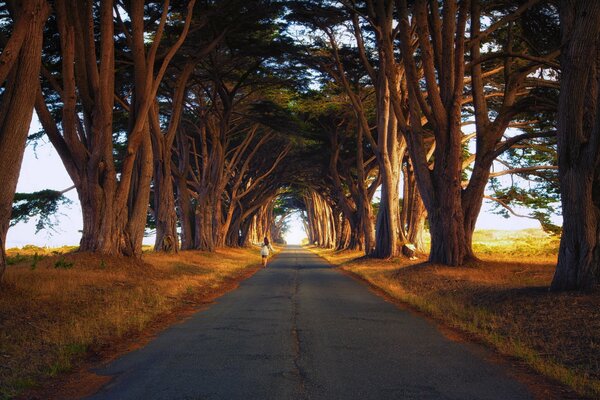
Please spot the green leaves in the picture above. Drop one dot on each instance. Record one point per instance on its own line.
(42, 205)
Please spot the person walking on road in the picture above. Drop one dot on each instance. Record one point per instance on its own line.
(265, 250)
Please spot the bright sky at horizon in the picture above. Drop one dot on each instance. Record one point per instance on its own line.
(43, 169)
(295, 233)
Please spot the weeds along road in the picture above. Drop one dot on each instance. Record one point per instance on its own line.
(301, 330)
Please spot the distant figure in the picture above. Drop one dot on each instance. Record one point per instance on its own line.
(265, 250)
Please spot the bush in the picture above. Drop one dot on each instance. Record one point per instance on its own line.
(63, 264)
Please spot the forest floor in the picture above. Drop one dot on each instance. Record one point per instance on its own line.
(502, 300)
(60, 310)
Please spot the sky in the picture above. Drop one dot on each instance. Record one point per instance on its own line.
(43, 169)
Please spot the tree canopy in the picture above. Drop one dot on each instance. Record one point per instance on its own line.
(376, 120)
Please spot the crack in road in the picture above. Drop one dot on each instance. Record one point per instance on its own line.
(296, 343)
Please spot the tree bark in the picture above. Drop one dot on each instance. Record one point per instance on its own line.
(413, 212)
(579, 147)
(162, 146)
(386, 229)
(17, 103)
(185, 210)
(441, 187)
(114, 196)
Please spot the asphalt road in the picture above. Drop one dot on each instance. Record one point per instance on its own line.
(301, 330)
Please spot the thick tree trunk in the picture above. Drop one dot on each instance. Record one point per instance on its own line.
(579, 147)
(139, 199)
(246, 232)
(164, 204)
(351, 235)
(446, 217)
(386, 229)
(416, 224)
(448, 239)
(234, 231)
(579, 253)
(16, 107)
(204, 233)
(440, 188)
(99, 233)
(367, 225)
(219, 230)
(386, 240)
(413, 214)
(347, 237)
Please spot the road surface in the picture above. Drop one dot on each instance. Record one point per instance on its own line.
(301, 330)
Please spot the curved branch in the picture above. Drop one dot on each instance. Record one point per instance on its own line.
(509, 208)
(522, 170)
(508, 143)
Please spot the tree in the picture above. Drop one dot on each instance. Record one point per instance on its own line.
(453, 204)
(352, 172)
(164, 197)
(385, 139)
(112, 174)
(231, 151)
(579, 146)
(19, 73)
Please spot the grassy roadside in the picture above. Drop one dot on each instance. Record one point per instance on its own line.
(503, 300)
(57, 309)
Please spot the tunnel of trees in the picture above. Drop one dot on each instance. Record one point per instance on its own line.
(379, 121)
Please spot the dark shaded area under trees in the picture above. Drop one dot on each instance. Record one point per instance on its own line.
(215, 121)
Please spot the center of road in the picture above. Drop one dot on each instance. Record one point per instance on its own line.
(301, 330)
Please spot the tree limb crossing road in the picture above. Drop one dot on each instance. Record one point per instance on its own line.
(301, 330)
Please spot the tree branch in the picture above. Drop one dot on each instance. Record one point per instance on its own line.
(509, 208)
(508, 143)
(522, 170)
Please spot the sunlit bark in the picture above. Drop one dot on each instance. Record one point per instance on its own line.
(19, 74)
(114, 196)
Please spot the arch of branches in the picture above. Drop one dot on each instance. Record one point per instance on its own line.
(209, 121)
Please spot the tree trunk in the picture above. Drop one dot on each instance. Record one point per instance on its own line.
(440, 188)
(139, 198)
(386, 229)
(367, 225)
(579, 147)
(162, 144)
(448, 240)
(185, 209)
(164, 204)
(246, 232)
(16, 107)
(204, 227)
(351, 234)
(234, 230)
(413, 214)
(446, 217)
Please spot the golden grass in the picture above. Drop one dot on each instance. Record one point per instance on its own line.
(57, 308)
(503, 300)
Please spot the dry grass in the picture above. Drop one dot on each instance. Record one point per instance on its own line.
(504, 301)
(58, 308)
